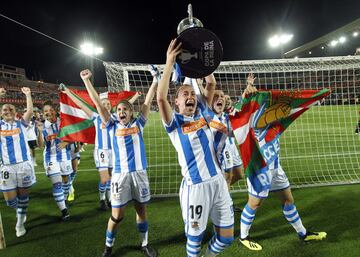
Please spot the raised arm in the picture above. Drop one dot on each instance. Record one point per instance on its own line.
(40, 136)
(104, 114)
(2, 92)
(134, 97)
(210, 88)
(29, 104)
(145, 108)
(165, 109)
(250, 88)
(77, 101)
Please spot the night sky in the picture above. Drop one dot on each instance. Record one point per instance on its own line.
(139, 31)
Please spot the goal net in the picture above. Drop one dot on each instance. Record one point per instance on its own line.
(320, 148)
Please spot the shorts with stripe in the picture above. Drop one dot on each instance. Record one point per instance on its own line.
(209, 198)
(19, 175)
(128, 186)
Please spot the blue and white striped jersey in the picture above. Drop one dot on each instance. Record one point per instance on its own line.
(128, 148)
(14, 146)
(198, 140)
(102, 138)
(52, 153)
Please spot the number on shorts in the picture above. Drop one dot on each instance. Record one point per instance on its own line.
(102, 155)
(227, 154)
(6, 175)
(196, 210)
(115, 187)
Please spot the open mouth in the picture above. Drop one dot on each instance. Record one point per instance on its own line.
(190, 103)
(122, 117)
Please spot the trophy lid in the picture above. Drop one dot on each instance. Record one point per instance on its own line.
(187, 23)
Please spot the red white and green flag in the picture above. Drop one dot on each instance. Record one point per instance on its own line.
(260, 121)
(75, 125)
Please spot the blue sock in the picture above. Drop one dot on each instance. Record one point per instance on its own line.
(102, 189)
(12, 203)
(58, 194)
(143, 228)
(193, 245)
(22, 206)
(292, 216)
(66, 188)
(217, 244)
(246, 220)
(72, 177)
(110, 238)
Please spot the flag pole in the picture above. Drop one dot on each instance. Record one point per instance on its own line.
(2, 237)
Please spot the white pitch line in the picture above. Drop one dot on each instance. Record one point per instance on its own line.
(282, 158)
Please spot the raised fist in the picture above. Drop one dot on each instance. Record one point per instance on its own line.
(2, 91)
(85, 74)
(26, 91)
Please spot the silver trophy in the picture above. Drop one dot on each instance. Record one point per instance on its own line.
(189, 22)
(201, 50)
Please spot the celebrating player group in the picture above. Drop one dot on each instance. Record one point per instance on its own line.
(199, 128)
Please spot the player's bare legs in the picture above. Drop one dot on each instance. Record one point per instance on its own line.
(237, 174)
(104, 188)
(246, 220)
(65, 185)
(228, 178)
(292, 216)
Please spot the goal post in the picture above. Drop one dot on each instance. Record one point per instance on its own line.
(320, 148)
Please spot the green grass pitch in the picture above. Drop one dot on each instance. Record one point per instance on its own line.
(326, 138)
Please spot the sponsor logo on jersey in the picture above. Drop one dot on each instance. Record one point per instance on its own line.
(10, 132)
(126, 131)
(218, 125)
(51, 137)
(193, 126)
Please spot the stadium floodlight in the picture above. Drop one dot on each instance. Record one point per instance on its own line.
(90, 49)
(333, 43)
(278, 40)
(355, 34)
(342, 39)
(323, 47)
(310, 52)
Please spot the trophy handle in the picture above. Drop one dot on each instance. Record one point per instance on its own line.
(190, 12)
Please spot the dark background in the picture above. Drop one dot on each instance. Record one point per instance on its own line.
(139, 31)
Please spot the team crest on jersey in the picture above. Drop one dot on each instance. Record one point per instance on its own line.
(51, 137)
(126, 131)
(193, 126)
(11, 132)
(218, 125)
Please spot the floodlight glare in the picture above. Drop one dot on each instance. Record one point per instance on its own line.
(342, 40)
(334, 43)
(355, 34)
(277, 40)
(88, 48)
(323, 47)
